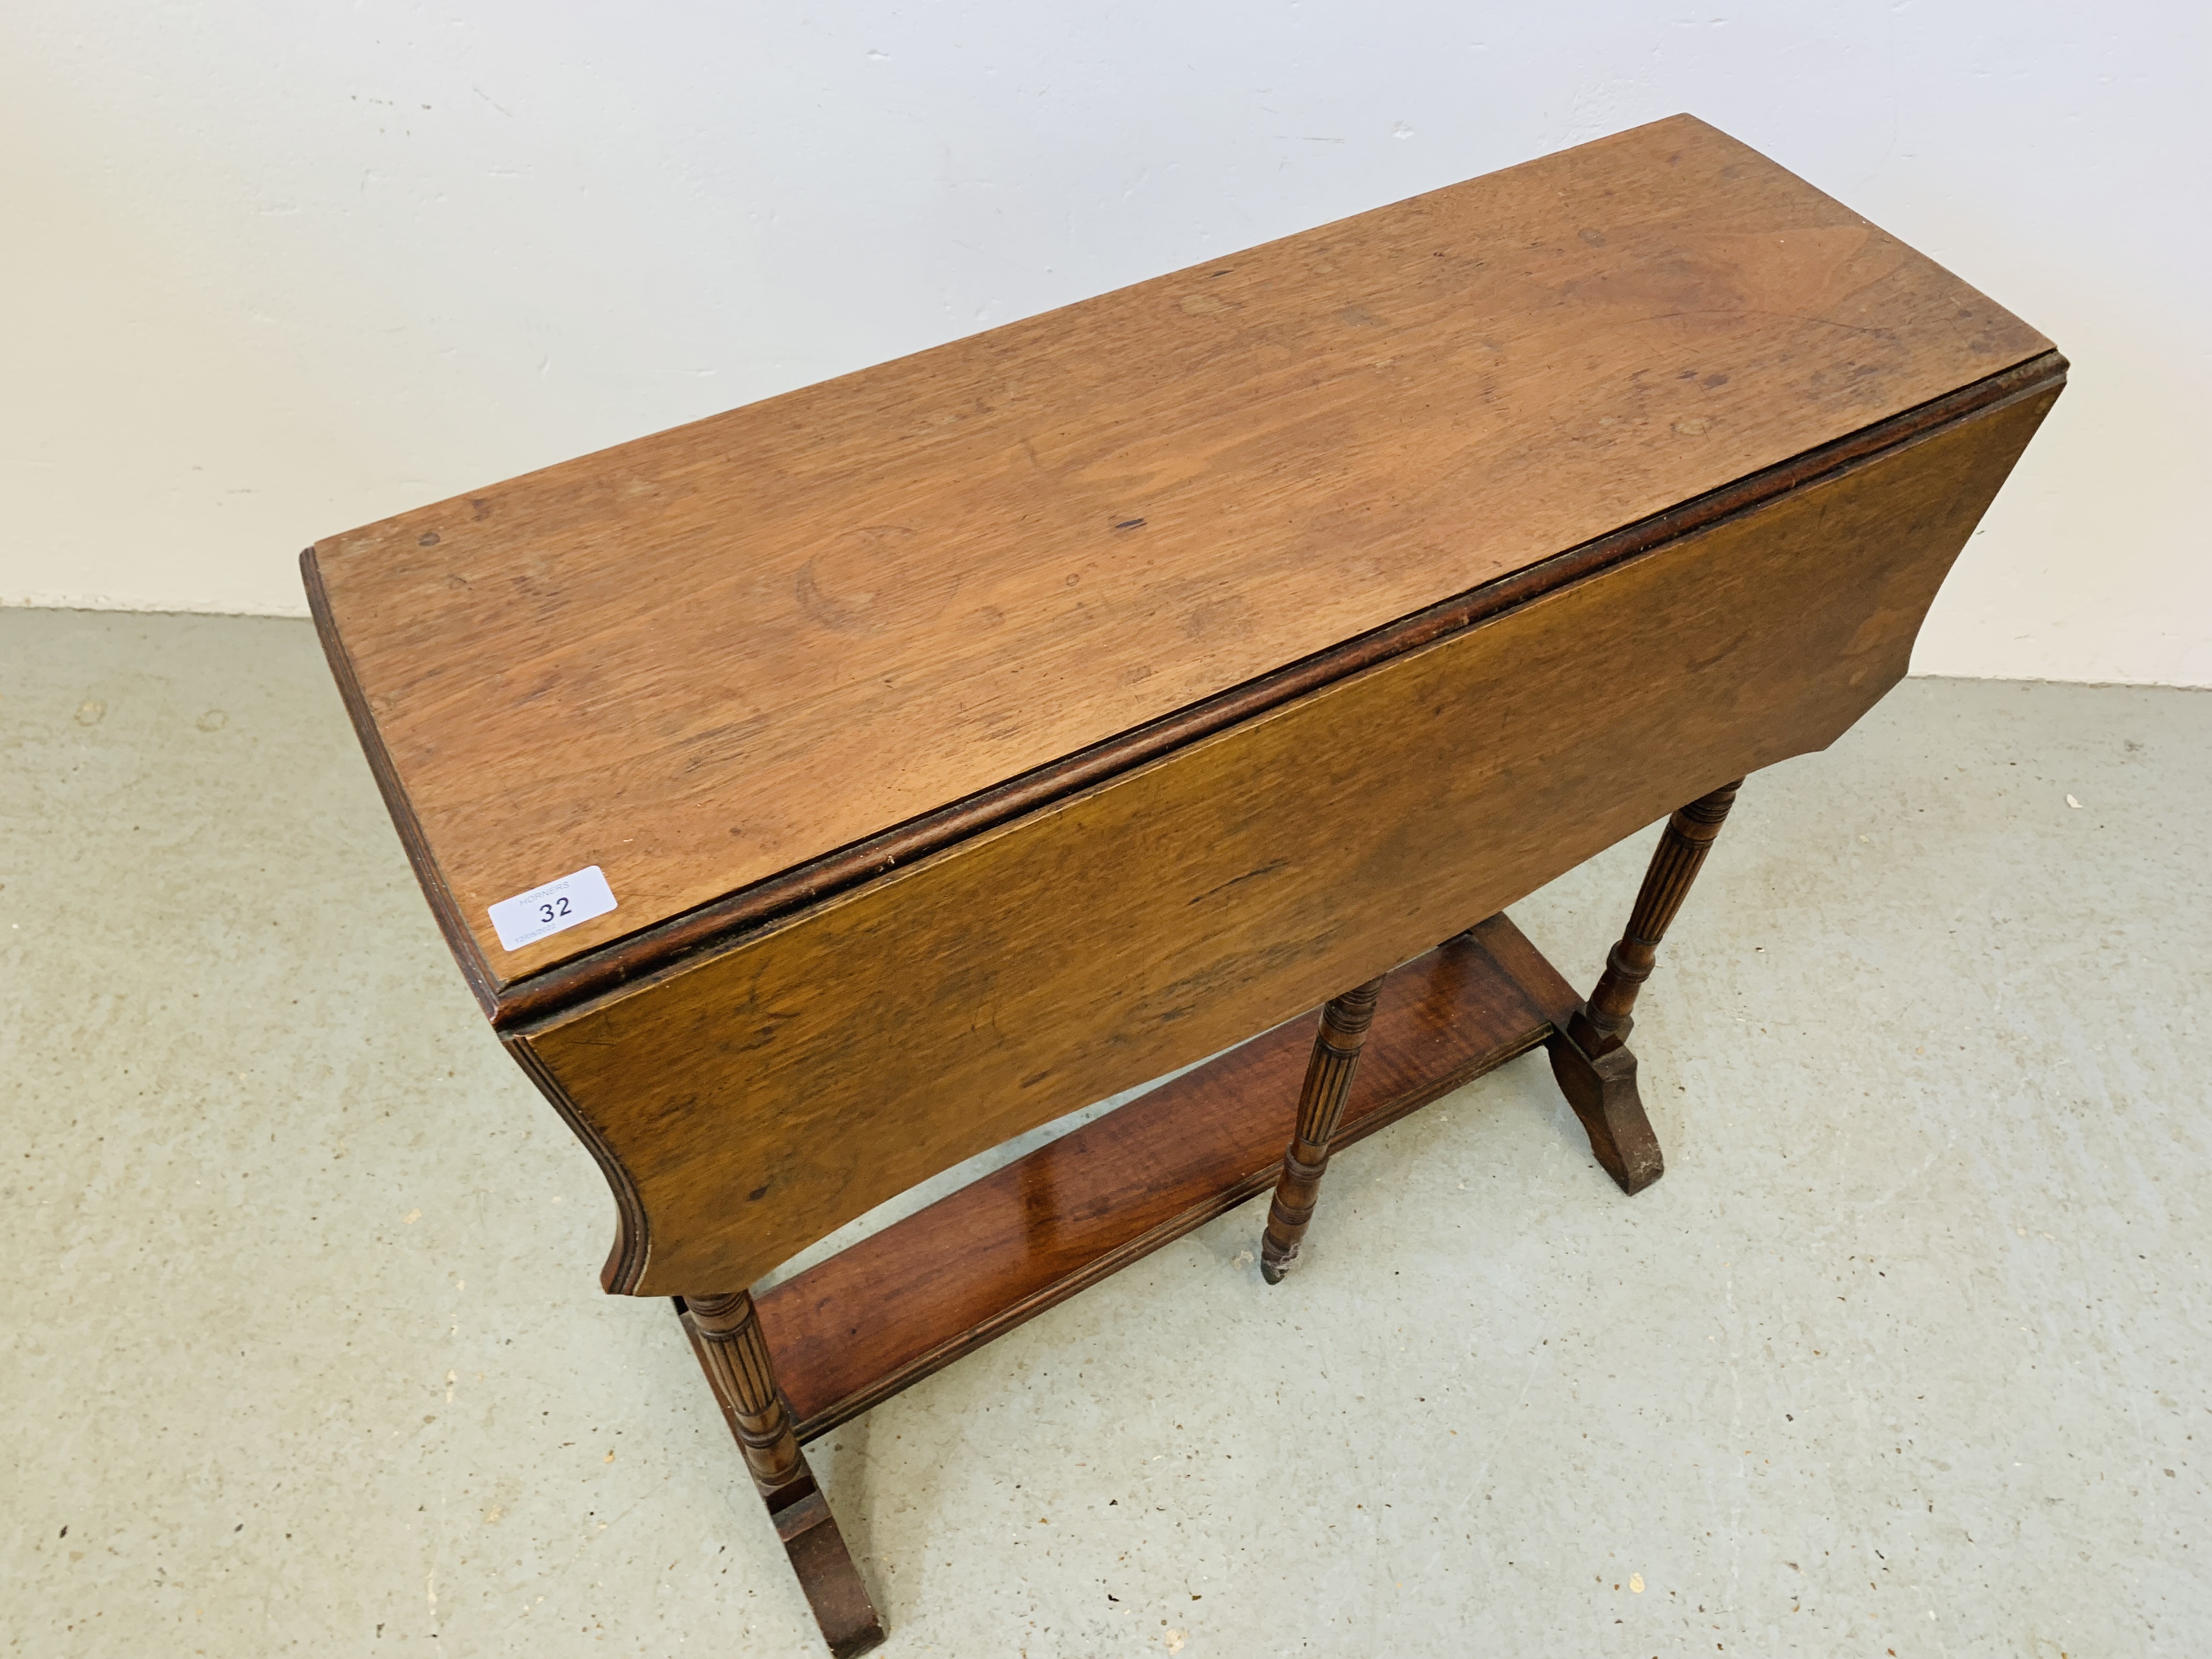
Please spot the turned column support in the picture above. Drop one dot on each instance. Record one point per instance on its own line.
(726, 1334)
(736, 1358)
(1604, 1022)
(1590, 1056)
(1344, 1025)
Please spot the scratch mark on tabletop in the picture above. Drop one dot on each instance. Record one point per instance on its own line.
(1238, 881)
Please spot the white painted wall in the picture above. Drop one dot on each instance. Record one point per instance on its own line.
(269, 270)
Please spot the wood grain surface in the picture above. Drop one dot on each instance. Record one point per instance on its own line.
(708, 657)
(713, 925)
(906, 1301)
(749, 1103)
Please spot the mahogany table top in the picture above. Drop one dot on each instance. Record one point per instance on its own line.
(705, 658)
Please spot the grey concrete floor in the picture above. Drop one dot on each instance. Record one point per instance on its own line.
(1907, 1353)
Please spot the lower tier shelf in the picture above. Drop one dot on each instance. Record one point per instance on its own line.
(853, 1330)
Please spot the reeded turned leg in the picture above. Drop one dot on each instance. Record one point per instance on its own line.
(726, 1334)
(1344, 1023)
(1590, 1058)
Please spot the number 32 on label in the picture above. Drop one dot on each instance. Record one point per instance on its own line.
(552, 908)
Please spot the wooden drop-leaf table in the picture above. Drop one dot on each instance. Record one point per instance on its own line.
(823, 794)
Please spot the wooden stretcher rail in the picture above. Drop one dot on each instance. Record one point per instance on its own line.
(907, 1302)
